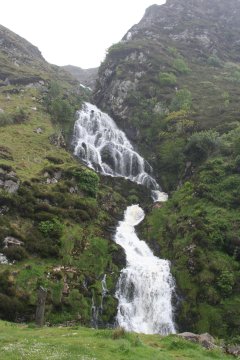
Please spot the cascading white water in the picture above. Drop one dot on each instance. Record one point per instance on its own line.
(105, 148)
(145, 287)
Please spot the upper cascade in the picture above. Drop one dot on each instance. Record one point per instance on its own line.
(105, 148)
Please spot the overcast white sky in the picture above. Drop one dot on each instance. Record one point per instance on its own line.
(75, 32)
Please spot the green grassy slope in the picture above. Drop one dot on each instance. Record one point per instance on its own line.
(18, 342)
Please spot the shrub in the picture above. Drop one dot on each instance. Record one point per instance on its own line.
(52, 228)
(16, 253)
(5, 119)
(118, 333)
(181, 66)
(54, 160)
(9, 307)
(167, 79)
(235, 77)
(182, 100)
(88, 181)
(17, 117)
(225, 282)
(200, 145)
(214, 60)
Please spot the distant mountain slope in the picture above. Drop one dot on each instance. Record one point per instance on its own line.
(86, 77)
(22, 63)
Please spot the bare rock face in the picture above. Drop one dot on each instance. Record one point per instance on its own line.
(203, 21)
(9, 181)
(199, 28)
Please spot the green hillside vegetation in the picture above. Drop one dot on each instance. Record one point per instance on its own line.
(177, 95)
(61, 212)
(181, 108)
(19, 342)
(198, 229)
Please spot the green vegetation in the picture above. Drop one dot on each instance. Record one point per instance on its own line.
(167, 79)
(198, 229)
(182, 100)
(18, 342)
(181, 66)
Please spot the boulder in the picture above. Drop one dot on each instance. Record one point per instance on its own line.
(11, 186)
(11, 241)
(233, 350)
(206, 340)
(3, 259)
(38, 130)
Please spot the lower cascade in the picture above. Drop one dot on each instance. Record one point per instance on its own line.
(145, 287)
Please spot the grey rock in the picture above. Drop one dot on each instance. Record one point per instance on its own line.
(233, 350)
(11, 241)
(57, 175)
(4, 209)
(206, 340)
(11, 186)
(51, 181)
(3, 259)
(38, 130)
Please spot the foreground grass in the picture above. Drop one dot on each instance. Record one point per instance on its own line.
(22, 342)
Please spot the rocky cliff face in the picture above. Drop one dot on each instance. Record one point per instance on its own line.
(196, 43)
(209, 26)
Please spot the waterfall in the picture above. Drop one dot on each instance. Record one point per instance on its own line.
(105, 148)
(145, 286)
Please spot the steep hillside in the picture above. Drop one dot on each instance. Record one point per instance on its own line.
(174, 73)
(172, 84)
(56, 216)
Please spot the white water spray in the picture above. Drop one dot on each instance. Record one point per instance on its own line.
(105, 148)
(145, 286)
